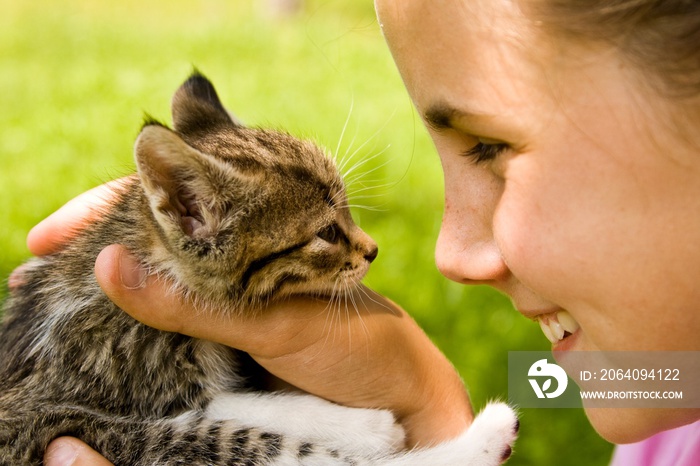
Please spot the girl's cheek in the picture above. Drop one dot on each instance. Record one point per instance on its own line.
(515, 232)
(529, 245)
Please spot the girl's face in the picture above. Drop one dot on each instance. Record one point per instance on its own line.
(566, 186)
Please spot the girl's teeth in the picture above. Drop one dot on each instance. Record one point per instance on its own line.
(547, 331)
(557, 329)
(555, 326)
(567, 322)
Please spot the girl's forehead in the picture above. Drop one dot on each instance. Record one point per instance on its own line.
(456, 34)
(485, 56)
(451, 19)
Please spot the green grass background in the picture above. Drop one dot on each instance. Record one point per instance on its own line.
(77, 76)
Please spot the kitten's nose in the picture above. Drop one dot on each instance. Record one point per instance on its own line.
(372, 253)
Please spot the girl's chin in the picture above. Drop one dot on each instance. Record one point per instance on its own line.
(631, 425)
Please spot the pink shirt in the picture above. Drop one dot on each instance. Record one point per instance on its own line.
(676, 447)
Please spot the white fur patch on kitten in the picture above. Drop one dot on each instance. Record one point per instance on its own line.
(309, 418)
(368, 432)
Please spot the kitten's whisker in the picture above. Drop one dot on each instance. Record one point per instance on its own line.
(332, 310)
(338, 312)
(375, 208)
(346, 158)
(359, 314)
(369, 192)
(332, 296)
(372, 208)
(347, 313)
(342, 303)
(351, 295)
(368, 183)
(360, 175)
(376, 133)
(364, 291)
(352, 193)
(364, 161)
(345, 173)
(354, 196)
(345, 127)
(338, 196)
(367, 208)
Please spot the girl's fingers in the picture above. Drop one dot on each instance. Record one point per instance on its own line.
(53, 232)
(68, 451)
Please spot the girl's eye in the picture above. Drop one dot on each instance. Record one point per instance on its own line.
(484, 152)
(331, 233)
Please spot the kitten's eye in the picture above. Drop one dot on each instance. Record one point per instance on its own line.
(485, 150)
(331, 233)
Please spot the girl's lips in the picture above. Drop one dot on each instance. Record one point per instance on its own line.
(568, 343)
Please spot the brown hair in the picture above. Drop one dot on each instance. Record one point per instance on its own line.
(660, 37)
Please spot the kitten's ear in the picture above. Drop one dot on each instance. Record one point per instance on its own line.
(182, 184)
(196, 107)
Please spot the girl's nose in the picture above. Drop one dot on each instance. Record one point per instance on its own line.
(466, 250)
(467, 259)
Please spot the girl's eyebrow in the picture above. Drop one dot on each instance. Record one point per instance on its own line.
(441, 116)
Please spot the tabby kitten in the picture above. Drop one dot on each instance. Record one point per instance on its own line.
(235, 218)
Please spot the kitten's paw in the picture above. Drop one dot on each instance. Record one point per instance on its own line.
(487, 442)
(493, 432)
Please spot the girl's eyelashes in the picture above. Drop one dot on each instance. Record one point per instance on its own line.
(484, 152)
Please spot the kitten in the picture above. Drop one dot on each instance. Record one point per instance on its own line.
(235, 218)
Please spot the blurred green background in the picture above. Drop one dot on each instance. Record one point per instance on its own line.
(77, 76)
